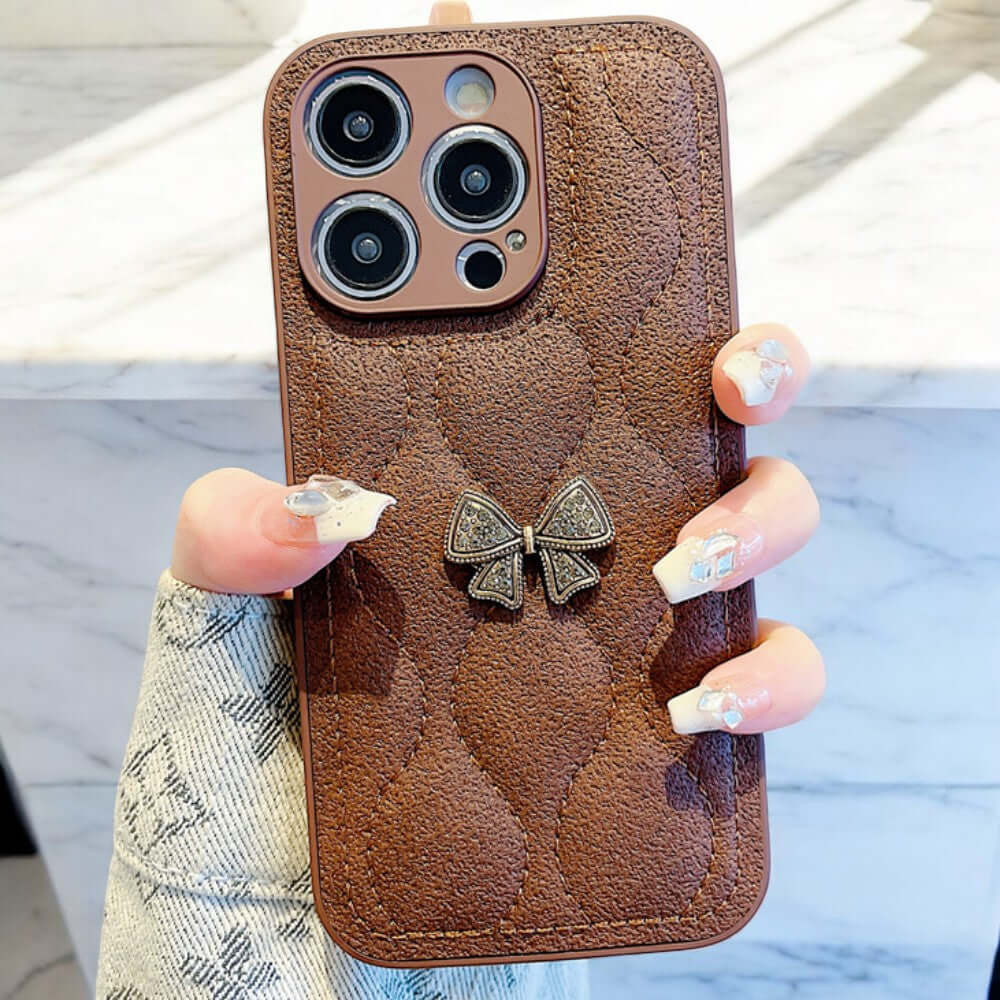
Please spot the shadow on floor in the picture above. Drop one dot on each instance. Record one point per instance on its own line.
(15, 838)
(36, 958)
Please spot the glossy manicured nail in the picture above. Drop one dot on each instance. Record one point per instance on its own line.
(700, 563)
(722, 704)
(324, 511)
(757, 372)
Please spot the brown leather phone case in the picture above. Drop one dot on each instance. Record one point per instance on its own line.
(486, 785)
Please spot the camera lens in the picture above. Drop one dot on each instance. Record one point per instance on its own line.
(365, 245)
(358, 122)
(480, 265)
(474, 177)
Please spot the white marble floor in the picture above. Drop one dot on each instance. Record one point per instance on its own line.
(885, 805)
(37, 961)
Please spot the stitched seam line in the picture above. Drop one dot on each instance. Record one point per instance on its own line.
(612, 709)
(731, 739)
(542, 317)
(407, 417)
(206, 883)
(489, 778)
(448, 344)
(668, 280)
(421, 730)
(574, 214)
(702, 792)
(573, 255)
(713, 854)
(338, 737)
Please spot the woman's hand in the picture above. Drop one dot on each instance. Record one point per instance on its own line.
(755, 526)
(240, 533)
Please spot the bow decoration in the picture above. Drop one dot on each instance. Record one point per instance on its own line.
(482, 533)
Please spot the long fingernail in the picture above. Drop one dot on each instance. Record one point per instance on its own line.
(700, 563)
(326, 510)
(720, 704)
(758, 371)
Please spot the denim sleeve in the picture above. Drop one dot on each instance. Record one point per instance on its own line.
(209, 891)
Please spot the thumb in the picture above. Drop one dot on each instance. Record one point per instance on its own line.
(242, 534)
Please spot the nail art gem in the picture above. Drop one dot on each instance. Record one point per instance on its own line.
(711, 701)
(336, 490)
(732, 717)
(308, 503)
(774, 362)
(723, 705)
(698, 564)
(737, 698)
(482, 533)
(340, 508)
(716, 559)
(757, 373)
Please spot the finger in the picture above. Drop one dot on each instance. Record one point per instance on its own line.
(240, 533)
(777, 683)
(450, 12)
(755, 526)
(758, 374)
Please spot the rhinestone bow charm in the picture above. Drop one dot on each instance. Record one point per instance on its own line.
(482, 533)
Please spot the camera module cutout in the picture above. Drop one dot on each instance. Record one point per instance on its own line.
(418, 182)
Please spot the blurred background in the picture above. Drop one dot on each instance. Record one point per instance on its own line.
(137, 352)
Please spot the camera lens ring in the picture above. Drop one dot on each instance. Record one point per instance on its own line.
(319, 102)
(469, 253)
(392, 212)
(454, 139)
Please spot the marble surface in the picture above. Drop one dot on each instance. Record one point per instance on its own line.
(885, 805)
(124, 22)
(131, 187)
(36, 958)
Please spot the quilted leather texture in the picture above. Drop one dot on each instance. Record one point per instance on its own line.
(489, 785)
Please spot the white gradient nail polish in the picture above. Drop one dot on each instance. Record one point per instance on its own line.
(757, 373)
(698, 564)
(340, 510)
(705, 707)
